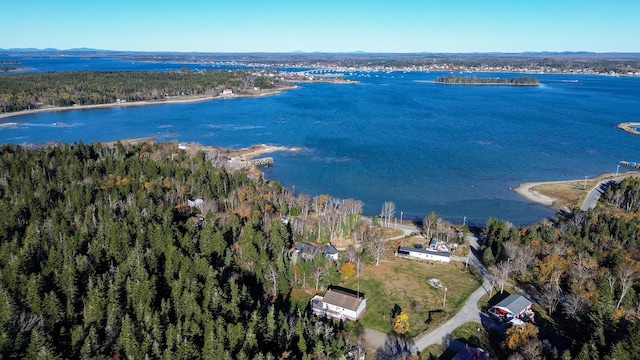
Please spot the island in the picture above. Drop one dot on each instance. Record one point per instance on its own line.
(474, 80)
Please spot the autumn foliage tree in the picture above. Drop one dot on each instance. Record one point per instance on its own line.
(401, 323)
(518, 336)
(348, 269)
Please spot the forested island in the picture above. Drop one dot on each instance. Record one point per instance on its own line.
(475, 80)
(76, 88)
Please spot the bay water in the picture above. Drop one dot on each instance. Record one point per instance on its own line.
(392, 136)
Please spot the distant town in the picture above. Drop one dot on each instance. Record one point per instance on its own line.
(613, 64)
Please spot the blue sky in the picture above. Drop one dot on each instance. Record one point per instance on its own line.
(327, 26)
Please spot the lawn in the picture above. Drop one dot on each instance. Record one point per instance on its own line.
(405, 282)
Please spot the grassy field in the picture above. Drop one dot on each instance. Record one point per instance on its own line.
(405, 282)
(569, 194)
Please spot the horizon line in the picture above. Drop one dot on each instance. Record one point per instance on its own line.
(301, 52)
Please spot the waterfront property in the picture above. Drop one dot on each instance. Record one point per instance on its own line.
(339, 303)
(512, 307)
(308, 251)
(424, 254)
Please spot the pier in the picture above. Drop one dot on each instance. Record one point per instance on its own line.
(629, 164)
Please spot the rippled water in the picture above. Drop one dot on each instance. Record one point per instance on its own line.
(455, 150)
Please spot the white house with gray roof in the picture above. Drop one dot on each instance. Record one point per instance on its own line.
(339, 303)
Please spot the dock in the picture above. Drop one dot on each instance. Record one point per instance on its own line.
(629, 164)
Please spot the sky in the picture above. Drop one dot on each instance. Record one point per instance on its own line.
(398, 26)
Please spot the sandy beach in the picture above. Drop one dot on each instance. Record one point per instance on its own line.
(564, 194)
(526, 191)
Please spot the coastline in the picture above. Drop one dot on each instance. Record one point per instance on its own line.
(564, 194)
(173, 100)
(526, 190)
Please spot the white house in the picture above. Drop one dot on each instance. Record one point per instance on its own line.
(330, 252)
(339, 303)
(423, 254)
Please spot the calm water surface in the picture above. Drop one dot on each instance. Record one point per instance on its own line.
(455, 150)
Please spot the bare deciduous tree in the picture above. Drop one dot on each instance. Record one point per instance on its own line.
(628, 276)
(272, 277)
(503, 271)
(429, 223)
(387, 212)
(375, 243)
(550, 297)
(574, 305)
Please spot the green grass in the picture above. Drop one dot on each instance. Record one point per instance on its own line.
(405, 282)
(473, 334)
(300, 298)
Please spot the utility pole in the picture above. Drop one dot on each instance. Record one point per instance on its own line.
(444, 302)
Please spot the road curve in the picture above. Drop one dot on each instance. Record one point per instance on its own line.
(594, 194)
(442, 334)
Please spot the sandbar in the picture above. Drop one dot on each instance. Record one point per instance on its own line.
(526, 191)
(630, 127)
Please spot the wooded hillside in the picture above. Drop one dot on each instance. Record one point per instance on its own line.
(583, 270)
(101, 255)
(35, 90)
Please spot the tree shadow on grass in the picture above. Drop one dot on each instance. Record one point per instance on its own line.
(396, 348)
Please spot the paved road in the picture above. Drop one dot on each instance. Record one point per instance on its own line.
(441, 334)
(594, 194)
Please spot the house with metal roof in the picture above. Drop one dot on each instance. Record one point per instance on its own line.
(512, 307)
(339, 303)
(424, 254)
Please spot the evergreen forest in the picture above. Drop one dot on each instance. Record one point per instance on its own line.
(60, 89)
(103, 255)
(583, 271)
(475, 80)
(149, 251)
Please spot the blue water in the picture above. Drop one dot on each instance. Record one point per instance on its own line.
(398, 137)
